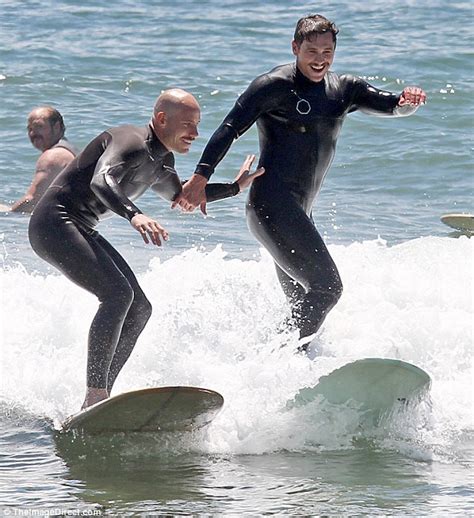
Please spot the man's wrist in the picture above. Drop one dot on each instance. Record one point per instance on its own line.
(131, 213)
(204, 170)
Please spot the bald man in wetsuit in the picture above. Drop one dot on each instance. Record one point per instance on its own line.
(46, 131)
(112, 171)
(299, 109)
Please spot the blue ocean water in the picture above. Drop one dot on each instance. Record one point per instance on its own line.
(407, 277)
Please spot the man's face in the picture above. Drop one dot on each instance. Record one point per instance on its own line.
(315, 56)
(41, 133)
(180, 128)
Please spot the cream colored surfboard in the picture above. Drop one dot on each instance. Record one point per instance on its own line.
(372, 386)
(464, 222)
(164, 409)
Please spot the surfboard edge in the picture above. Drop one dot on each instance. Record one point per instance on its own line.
(73, 422)
(462, 222)
(308, 394)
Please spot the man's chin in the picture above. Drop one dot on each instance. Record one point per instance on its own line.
(316, 77)
(37, 144)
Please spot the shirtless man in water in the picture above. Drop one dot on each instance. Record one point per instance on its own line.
(115, 169)
(299, 109)
(46, 131)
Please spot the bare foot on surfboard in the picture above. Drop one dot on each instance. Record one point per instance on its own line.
(93, 396)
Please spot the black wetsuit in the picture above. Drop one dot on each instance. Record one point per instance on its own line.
(113, 170)
(298, 125)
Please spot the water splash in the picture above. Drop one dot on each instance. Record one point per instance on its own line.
(214, 325)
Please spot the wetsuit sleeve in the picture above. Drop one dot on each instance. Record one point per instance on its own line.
(105, 184)
(169, 186)
(219, 191)
(374, 101)
(249, 106)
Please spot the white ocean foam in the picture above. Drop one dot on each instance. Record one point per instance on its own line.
(214, 325)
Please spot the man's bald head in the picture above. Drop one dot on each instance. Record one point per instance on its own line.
(176, 116)
(175, 99)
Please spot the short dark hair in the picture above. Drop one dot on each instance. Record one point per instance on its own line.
(314, 24)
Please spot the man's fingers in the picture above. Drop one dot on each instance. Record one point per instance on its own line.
(177, 201)
(157, 232)
(144, 235)
(249, 161)
(186, 206)
(413, 96)
(155, 238)
(154, 232)
(183, 203)
(193, 193)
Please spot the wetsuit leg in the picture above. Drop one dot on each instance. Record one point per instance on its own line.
(286, 231)
(292, 289)
(135, 321)
(86, 258)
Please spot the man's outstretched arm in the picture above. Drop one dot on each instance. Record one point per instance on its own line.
(374, 101)
(250, 105)
(243, 180)
(172, 187)
(193, 193)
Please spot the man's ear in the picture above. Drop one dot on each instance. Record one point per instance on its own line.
(161, 118)
(295, 47)
(57, 128)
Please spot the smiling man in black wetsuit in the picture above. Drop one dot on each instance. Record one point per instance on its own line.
(299, 109)
(113, 170)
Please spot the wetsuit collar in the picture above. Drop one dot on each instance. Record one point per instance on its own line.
(302, 81)
(157, 148)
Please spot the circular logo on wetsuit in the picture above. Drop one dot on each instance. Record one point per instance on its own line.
(303, 107)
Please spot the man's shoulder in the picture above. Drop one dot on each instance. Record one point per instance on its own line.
(128, 136)
(278, 77)
(285, 71)
(344, 83)
(54, 156)
(64, 143)
(342, 78)
(127, 129)
(53, 160)
(280, 74)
